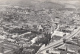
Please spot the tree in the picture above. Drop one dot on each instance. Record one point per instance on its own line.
(18, 51)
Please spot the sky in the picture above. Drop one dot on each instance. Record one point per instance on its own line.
(5, 2)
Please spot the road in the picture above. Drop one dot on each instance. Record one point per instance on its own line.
(60, 42)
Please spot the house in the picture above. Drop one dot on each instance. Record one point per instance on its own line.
(35, 27)
(34, 40)
(2, 37)
(11, 40)
(50, 51)
(57, 35)
(15, 36)
(40, 28)
(65, 49)
(67, 29)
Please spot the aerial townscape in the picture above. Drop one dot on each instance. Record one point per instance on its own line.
(39, 27)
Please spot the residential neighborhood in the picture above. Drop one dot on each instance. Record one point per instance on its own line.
(39, 27)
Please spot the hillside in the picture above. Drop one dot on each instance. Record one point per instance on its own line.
(28, 12)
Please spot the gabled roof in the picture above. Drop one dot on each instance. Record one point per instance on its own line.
(40, 27)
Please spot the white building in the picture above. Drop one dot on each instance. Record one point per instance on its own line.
(34, 40)
(2, 37)
(40, 28)
(58, 33)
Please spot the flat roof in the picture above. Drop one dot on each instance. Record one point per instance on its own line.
(58, 33)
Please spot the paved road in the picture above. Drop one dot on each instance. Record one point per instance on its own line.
(60, 42)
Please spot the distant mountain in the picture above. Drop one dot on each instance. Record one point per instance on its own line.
(41, 3)
(68, 7)
(50, 5)
(14, 2)
(33, 4)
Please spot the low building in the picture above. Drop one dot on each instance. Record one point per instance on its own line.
(50, 51)
(67, 29)
(14, 36)
(58, 33)
(34, 40)
(11, 40)
(28, 51)
(40, 28)
(2, 37)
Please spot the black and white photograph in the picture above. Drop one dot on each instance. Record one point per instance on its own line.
(39, 26)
